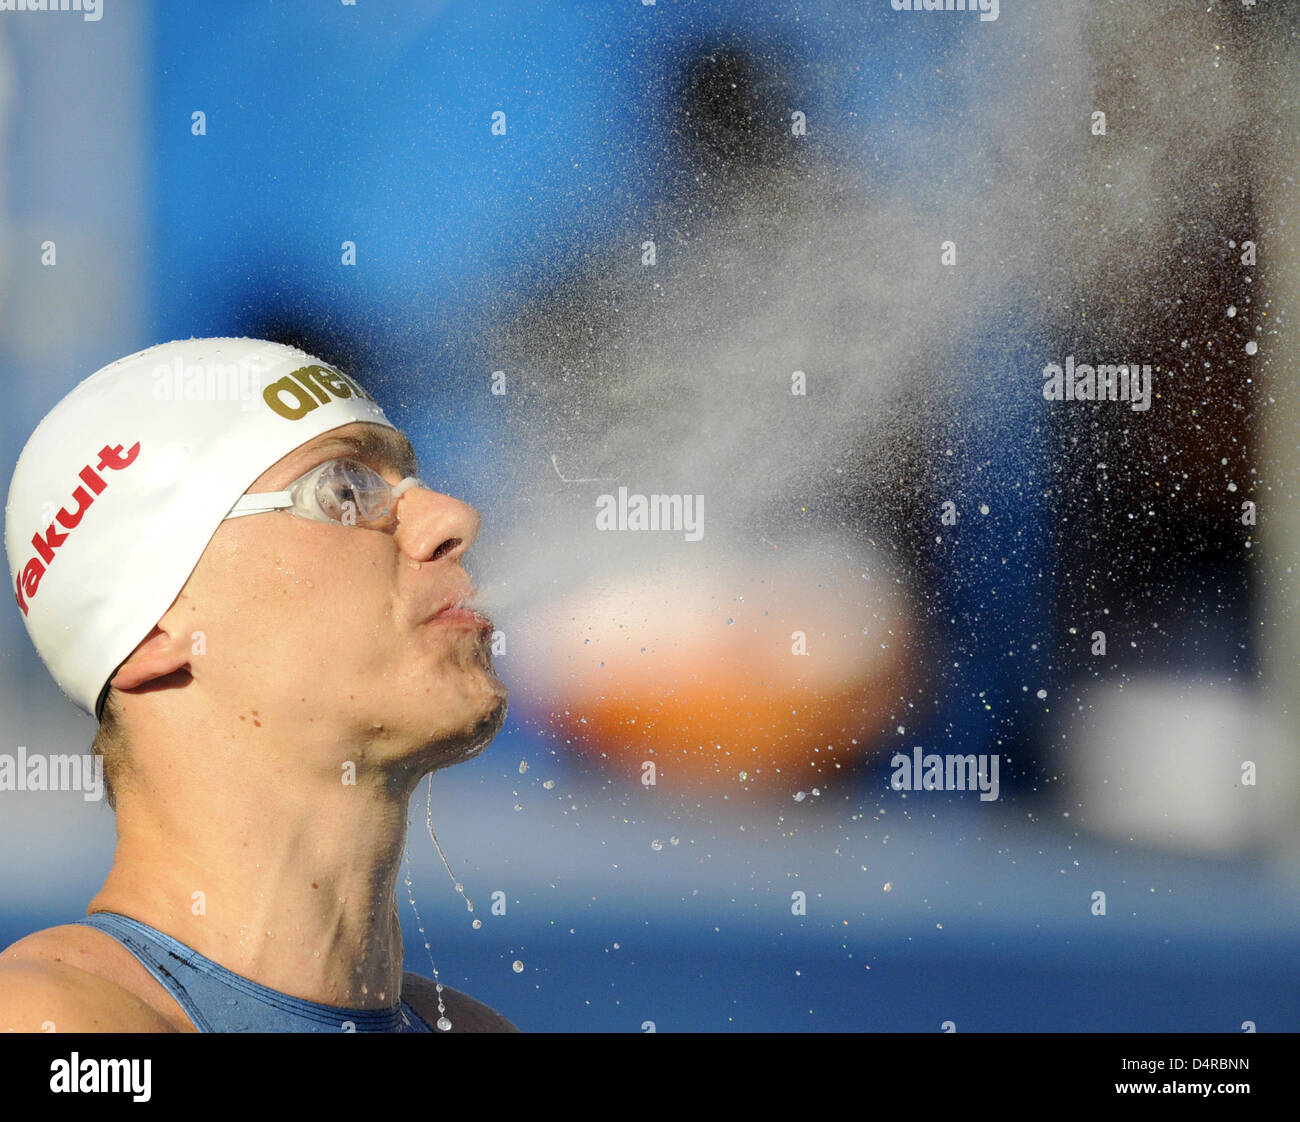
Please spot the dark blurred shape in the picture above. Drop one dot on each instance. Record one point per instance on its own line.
(312, 331)
(1149, 508)
(732, 120)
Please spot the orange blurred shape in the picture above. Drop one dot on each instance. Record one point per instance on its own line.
(759, 670)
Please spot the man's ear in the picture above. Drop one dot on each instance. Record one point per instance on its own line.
(158, 655)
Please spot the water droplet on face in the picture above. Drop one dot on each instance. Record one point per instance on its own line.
(517, 966)
(656, 845)
(444, 1025)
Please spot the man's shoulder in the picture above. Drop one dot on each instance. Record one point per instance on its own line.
(49, 982)
(66, 942)
(467, 1014)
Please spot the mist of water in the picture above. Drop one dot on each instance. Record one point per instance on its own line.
(676, 379)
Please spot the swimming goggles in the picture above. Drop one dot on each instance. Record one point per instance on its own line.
(342, 491)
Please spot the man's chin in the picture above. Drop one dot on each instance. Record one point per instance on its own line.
(469, 742)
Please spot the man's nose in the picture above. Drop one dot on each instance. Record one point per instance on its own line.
(431, 525)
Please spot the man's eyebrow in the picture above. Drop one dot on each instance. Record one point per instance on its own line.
(388, 445)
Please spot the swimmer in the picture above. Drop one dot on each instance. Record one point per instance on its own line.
(266, 610)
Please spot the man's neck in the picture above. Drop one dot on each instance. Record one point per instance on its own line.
(295, 892)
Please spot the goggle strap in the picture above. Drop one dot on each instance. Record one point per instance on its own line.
(260, 503)
(264, 501)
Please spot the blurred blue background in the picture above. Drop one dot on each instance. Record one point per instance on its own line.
(369, 123)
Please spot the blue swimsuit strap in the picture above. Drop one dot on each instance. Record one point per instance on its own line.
(218, 1000)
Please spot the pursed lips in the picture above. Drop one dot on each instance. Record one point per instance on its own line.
(453, 610)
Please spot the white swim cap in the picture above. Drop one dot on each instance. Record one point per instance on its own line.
(122, 485)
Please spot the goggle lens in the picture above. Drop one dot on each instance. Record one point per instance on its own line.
(351, 493)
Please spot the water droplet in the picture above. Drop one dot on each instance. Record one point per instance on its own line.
(477, 924)
(1232, 310)
(674, 840)
(800, 796)
(888, 886)
(523, 766)
(517, 966)
(984, 508)
(549, 784)
(444, 1025)
(656, 845)
(730, 622)
(1041, 694)
(1252, 347)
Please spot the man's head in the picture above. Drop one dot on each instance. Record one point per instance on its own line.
(141, 582)
(296, 621)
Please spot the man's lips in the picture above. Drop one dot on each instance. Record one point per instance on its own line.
(454, 610)
(465, 616)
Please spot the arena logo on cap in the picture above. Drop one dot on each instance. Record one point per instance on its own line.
(309, 387)
(111, 457)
